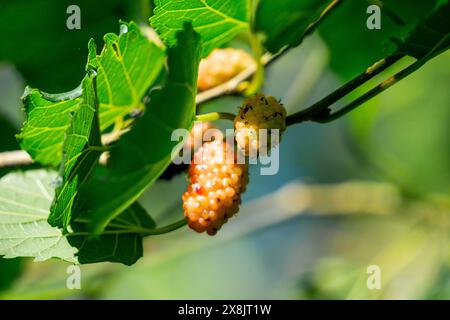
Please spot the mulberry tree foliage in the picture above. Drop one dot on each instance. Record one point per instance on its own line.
(138, 89)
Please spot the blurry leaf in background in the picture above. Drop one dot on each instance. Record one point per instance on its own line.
(25, 232)
(417, 250)
(284, 22)
(441, 291)
(11, 89)
(404, 132)
(142, 154)
(431, 34)
(353, 47)
(216, 21)
(37, 41)
(409, 264)
(10, 270)
(329, 279)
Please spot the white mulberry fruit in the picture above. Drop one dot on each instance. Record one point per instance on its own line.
(258, 112)
(220, 66)
(216, 185)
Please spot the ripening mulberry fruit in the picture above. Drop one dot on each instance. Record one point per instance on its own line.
(193, 142)
(195, 138)
(216, 185)
(220, 66)
(258, 112)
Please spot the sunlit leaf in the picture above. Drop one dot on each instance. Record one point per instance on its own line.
(42, 135)
(127, 67)
(217, 21)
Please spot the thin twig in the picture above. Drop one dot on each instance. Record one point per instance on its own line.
(142, 230)
(311, 27)
(372, 93)
(320, 109)
(213, 116)
(14, 158)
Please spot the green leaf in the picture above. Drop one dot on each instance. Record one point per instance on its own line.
(24, 231)
(431, 36)
(217, 21)
(353, 47)
(25, 199)
(42, 135)
(81, 151)
(284, 22)
(120, 242)
(11, 271)
(127, 66)
(141, 155)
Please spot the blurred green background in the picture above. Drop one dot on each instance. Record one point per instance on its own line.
(369, 189)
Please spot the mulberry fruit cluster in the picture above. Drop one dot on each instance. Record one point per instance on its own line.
(216, 180)
(220, 66)
(216, 185)
(259, 112)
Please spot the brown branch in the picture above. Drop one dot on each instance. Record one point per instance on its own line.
(22, 158)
